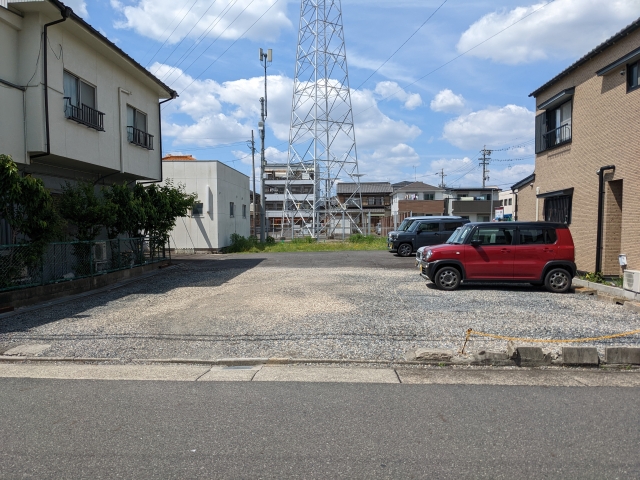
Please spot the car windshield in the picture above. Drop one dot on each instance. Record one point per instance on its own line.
(459, 235)
(404, 226)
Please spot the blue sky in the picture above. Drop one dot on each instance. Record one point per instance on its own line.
(410, 120)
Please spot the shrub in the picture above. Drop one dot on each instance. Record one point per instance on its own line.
(359, 238)
(270, 240)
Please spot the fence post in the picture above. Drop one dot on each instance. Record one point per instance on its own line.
(91, 272)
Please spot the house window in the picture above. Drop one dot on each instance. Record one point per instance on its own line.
(244, 211)
(197, 210)
(231, 209)
(429, 196)
(137, 128)
(558, 209)
(511, 201)
(80, 102)
(633, 76)
(553, 127)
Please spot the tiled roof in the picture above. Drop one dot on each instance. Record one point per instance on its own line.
(596, 51)
(365, 187)
(418, 187)
(179, 158)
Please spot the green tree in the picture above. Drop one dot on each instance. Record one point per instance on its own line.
(127, 212)
(87, 212)
(27, 206)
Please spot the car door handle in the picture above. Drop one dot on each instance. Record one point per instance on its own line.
(547, 250)
(505, 250)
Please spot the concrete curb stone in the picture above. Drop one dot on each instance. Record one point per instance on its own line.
(622, 355)
(580, 356)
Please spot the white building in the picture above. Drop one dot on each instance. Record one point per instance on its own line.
(506, 206)
(222, 207)
(475, 204)
(73, 105)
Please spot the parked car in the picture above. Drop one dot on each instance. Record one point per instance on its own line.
(404, 225)
(423, 231)
(540, 253)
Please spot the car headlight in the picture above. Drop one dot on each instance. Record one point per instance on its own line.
(427, 255)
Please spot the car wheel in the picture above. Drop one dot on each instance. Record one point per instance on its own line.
(558, 280)
(405, 250)
(447, 278)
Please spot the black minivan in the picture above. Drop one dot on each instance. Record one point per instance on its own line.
(423, 232)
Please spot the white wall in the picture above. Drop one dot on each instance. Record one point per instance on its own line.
(214, 228)
(71, 47)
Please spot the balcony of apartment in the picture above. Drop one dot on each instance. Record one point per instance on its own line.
(555, 138)
(466, 207)
(140, 138)
(84, 114)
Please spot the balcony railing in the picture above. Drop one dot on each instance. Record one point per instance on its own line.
(84, 114)
(556, 137)
(140, 138)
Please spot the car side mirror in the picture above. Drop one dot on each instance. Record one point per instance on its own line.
(476, 243)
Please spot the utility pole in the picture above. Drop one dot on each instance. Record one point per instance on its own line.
(484, 162)
(265, 61)
(252, 146)
(442, 175)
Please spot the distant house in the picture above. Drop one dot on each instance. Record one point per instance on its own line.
(222, 207)
(587, 171)
(417, 198)
(376, 199)
(475, 203)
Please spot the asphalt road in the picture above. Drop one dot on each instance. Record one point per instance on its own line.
(143, 430)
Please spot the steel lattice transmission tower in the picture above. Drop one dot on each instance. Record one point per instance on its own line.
(322, 142)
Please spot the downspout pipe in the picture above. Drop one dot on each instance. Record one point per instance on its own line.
(174, 95)
(66, 13)
(600, 174)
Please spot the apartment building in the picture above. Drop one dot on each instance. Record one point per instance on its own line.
(222, 207)
(587, 172)
(376, 200)
(74, 105)
(301, 184)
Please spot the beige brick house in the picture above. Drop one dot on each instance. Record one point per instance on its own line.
(587, 118)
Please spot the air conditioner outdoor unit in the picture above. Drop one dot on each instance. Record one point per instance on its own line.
(100, 252)
(631, 280)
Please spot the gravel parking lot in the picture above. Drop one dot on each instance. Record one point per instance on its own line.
(352, 305)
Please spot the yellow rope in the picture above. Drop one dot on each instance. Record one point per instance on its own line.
(548, 340)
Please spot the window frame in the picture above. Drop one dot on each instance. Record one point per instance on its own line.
(629, 67)
(199, 212)
(231, 210)
(244, 210)
(138, 136)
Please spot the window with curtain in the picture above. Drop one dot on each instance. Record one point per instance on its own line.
(136, 119)
(78, 92)
(557, 209)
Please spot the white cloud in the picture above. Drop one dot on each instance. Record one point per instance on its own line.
(562, 29)
(492, 126)
(447, 101)
(392, 89)
(79, 7)
(230, 20)
(223, 113)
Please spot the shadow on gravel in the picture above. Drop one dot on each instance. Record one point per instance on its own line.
(504, 287)
(187, 274)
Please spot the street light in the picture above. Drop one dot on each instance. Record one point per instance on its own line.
(265, 61)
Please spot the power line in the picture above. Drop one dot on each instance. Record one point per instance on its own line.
(201, 38)
(403, 44)
(173, 31)
(191, 30)
(216, 39)
(162, 35)
(457, 57)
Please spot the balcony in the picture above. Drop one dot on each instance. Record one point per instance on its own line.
(464, 207)
(556, 137)
(84, 114)
(140, 138)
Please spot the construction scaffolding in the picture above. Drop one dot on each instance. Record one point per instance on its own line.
(322, 142)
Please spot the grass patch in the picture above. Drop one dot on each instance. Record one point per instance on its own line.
(240, 244)
(597, 277)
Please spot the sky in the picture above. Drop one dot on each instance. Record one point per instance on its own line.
(432, 81)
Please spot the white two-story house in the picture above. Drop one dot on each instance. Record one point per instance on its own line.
(73, 105)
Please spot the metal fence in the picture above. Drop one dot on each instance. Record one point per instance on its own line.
(22, 267)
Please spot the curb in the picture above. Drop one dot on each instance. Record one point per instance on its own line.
(521, 357)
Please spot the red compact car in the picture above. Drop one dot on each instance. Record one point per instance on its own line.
(539, 253)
